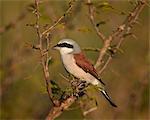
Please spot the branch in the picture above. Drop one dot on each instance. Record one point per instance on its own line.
(60, 19)
(58, 110)
(79, 91)
(43, 63)
(45, 34)
(121, 31)
(91, 16)
(91, 49)
(57, 106)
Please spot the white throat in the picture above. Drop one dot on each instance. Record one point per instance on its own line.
(65, 50)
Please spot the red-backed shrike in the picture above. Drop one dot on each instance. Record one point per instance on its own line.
(76, 64)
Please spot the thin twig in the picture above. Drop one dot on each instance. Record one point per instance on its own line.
(58, 110)
(105, 65)
(91, 16)
(43, 63)
(59, 20)
(110, 57)
(64, 77)
(122, 29)
(91, 49)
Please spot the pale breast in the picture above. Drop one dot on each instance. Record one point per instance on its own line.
(71, 67)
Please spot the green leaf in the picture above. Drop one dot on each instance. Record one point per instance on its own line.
(56, 90)
(84, 29)
(105, 6)
(61, 26)
(50, 61)
(43, 90)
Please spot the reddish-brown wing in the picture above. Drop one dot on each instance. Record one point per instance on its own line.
(86, 65)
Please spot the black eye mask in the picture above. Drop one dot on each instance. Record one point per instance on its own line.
(64, 45)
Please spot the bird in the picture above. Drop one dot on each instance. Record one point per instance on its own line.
(75, 62)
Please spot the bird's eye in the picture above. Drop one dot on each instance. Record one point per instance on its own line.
(65, 45)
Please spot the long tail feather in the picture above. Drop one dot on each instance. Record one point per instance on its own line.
(108, 98)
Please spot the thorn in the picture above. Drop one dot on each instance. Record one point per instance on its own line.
(45, 50)
(147, 4)
(131, 14)
(137, 22)
(89, 111)
(127, 34)
(30, 25)
(121, 27)
(34, 11)
(134, 36)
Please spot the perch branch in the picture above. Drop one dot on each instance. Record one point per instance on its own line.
(58, 110)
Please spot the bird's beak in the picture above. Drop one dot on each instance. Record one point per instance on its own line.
(55, 47)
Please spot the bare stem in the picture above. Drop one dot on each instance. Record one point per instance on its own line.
(91, 16)
(43, 61)
(59, 20)
(58, 110)
(91, 49)
(122, 29)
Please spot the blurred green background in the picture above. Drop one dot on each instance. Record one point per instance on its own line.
(22, 82)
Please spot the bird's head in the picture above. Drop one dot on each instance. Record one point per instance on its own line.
(67, 46)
